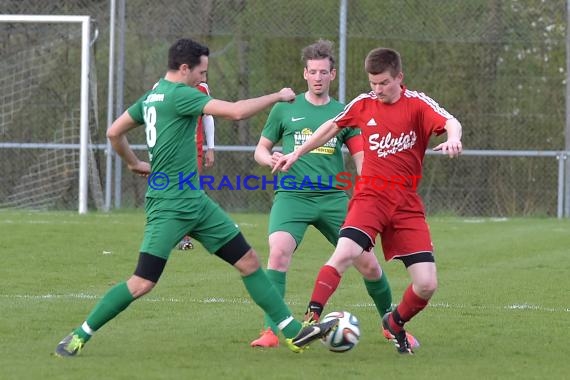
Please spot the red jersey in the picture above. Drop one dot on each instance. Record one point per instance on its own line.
(395, 135)
(200, 128)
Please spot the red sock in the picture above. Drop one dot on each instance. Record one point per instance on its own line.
(325, 285)
(411, 305)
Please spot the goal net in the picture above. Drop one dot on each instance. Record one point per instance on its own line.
(47, 98)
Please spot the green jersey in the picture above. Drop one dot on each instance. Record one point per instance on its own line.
(293, 123)
(170, 113)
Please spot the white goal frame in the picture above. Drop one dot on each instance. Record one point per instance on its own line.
(85, 22)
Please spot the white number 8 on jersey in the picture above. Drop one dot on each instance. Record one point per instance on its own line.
(150, 129)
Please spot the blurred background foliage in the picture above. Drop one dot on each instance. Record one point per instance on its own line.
(498, 65)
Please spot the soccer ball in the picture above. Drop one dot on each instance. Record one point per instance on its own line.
(345, 336)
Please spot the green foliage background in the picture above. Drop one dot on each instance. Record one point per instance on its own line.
(497, 65)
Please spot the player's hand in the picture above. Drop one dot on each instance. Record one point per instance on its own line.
(209, 156)
(141, 168)
(452, 148)
(286, 95)
(285, 162)
(275, 157)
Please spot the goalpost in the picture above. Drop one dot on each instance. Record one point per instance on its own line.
(84, 92)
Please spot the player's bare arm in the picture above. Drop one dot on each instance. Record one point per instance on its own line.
(209, 131)
(452, 147)
(324, 133)
(243, 109)
(209, 158)
(263, 155)
(117, 135)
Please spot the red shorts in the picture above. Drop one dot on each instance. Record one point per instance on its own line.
(398, 216)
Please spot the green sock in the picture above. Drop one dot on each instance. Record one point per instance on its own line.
(267, 297)
(380, 292)
(113, 302)
(279, 280)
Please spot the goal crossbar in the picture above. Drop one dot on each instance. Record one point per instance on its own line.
(85, 22)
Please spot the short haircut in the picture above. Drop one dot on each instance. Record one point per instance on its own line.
(322, 49)
(381, 60)
(186, 51)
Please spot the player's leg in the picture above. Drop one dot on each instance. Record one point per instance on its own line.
(379, 290)
(288, 221)
(281, 248)
(330, 274)
(375, 281)
(361, 225)
(333, 212)
(282, 244)
(160, 235)
(266, 296)
(117, 299)
(410, 233)
(220, 235)
(414, 300)
(422, 270)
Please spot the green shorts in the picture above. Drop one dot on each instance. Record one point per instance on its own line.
(293, 212)
(168, 220)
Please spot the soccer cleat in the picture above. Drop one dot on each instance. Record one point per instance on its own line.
(266, 339)
(414, 343)
(185, 244)
(310, 333)
(294, 348)
(71, 345)
(400, 339)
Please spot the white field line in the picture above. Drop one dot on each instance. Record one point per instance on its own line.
(437, 305)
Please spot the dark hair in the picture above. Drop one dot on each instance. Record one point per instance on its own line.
(186, 51)
(322, 49)
(381, 59)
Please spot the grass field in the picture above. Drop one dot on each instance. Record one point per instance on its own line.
(502, 310)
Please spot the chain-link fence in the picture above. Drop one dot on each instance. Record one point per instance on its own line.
(498, 65)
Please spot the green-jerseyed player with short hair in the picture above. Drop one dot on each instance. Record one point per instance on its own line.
(173, 205)
(311, 193)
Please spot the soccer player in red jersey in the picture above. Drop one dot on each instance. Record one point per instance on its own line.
(396, 124)
(206, 127)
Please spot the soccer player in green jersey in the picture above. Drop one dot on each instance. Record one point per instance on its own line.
(311, 193)
(175, 205)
